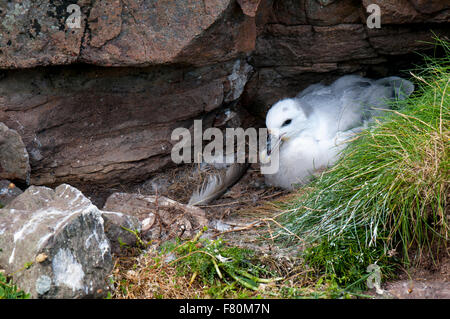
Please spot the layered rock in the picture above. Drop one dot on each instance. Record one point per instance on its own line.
(176, 61)
(125, 32)
(412, 11)
(109, 126)
(34, 33)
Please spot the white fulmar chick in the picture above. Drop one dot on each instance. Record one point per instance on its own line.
(310, 130)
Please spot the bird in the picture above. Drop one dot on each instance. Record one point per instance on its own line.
(309, 132)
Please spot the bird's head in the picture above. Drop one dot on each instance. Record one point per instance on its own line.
(285, 119)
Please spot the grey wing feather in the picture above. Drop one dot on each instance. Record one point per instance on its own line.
(349, 82)
(316, 89)
(358, 97)
(216, 185)
(386, 90)
(399, 88)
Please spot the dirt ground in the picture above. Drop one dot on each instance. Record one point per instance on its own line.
(428, 280)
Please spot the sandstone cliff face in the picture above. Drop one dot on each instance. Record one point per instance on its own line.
(97, 103)
(124, 32)
(110, 125)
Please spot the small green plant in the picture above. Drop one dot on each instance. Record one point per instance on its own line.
(212, 259)
(10, 291)
(140, 243)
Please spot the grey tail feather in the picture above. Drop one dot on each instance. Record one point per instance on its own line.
(216, 185)
(401, 88)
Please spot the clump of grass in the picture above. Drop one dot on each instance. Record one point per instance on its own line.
(10, 291)
(390, 188)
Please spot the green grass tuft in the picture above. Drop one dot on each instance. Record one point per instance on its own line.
(10, 291)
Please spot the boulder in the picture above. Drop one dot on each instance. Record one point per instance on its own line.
(122, 231)
(14, 160)
(53, 243)
(115, 35)
(161, 217)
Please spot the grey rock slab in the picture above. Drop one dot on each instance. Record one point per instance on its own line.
(54, 244)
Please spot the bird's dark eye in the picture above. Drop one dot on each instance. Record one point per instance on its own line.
(287, 122)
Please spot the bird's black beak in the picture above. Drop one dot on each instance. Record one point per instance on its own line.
(273, 142)
(269, 144)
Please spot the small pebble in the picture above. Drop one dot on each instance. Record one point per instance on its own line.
(41, 258)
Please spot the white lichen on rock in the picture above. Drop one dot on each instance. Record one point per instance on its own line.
(67, 270)
(43, 284)
(237, 79)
